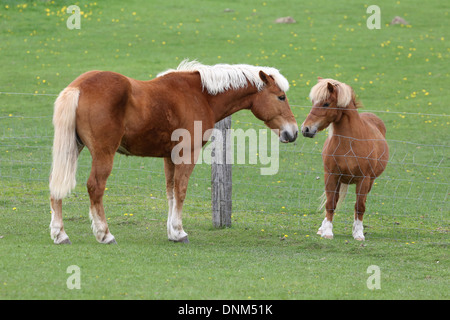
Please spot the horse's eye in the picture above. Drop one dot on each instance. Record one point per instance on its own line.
(282, 98)
(326, 104)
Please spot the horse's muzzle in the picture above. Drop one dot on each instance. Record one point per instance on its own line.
(289, 135)
(309, 132)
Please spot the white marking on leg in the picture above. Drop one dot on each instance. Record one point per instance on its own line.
(175, 230)
(326, 229)
(57, 233)
(170, 200)
(358, 230)
(100, 228)
(319, 232)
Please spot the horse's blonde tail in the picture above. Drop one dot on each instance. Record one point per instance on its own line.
(65, 148)
(342, 194)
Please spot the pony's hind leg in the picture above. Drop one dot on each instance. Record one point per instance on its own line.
(57, 232)
(101, 169)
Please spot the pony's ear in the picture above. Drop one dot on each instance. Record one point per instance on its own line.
(330, 87)
(264, 77)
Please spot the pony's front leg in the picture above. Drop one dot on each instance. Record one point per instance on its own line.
(332, 186)
(362, 189)
(175, 231)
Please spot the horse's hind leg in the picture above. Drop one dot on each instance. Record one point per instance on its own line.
(57, 232)
(101, 169)
(362, 189)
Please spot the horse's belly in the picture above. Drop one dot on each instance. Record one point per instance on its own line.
(146, 145)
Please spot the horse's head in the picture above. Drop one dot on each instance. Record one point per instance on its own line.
(329, 97)
(271, 106)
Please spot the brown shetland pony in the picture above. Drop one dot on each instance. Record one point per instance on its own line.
(355, 152)
(108, 113)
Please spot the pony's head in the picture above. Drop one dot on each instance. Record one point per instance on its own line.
(329, 98)
(271, 105)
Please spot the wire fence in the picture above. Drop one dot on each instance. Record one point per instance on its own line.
(408, 202)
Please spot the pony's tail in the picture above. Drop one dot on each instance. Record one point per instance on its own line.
(65, 149)
(342, 194)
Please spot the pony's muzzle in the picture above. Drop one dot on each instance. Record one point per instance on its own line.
(309, 131)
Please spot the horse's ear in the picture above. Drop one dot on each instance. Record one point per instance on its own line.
(264, 77)
(319, 78)
(330, 87)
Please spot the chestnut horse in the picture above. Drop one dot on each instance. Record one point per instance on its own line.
(355, 152)
(108, 113)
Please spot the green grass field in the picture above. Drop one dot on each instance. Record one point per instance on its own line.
(272, 250)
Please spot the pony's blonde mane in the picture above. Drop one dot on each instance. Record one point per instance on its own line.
(345, 93)
(222, 77)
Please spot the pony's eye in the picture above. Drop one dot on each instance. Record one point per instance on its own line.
(282, 98)
(326, 104)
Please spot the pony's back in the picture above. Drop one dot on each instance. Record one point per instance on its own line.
(377, 122)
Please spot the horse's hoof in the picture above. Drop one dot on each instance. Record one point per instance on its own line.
(62, 241)
(182, 240)
(328, 236)
(319, 232)
(360, 238)
(113, 241)
(107, 239)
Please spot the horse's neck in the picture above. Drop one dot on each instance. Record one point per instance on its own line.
(231, 101)
(350, 125)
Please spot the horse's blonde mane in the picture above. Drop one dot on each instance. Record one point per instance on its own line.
(222, 77)
(345, 93)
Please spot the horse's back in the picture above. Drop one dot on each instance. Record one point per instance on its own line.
(375, 121)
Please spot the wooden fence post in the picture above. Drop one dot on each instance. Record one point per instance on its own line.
(221, 176)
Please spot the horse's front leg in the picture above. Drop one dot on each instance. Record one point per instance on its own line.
(362, 189)
(169, 170)
(181, 174)
(332, 186)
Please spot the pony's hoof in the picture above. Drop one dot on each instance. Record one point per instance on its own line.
(64, 241)
(319, 232)
(360, 238)
(327, 236)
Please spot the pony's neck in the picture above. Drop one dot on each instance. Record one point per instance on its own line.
(231, 101)
(349, 124)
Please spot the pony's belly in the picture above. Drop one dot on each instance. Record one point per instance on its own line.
(351, 171)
